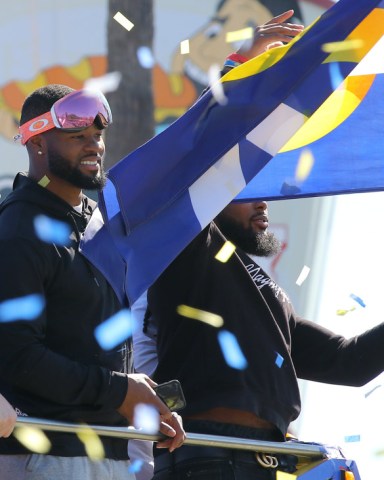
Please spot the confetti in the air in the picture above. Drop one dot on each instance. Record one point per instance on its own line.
(201, 315)
(279, 360)
(336, 77)
(231, 350)
(106, 83)
(51, 231)
(124, 22)
(304, 165)
(184, 47)
(43, 182)
(225, 252)
(92, 443)
(145, 57)
(342, 311)
(22, 308)
(146, 418)
(33, 439)
(357, 300)
(352, 438)
(115, 330)
(366, 395)
(239, 35)
(303, 275)
(344, 46)
(135, 466)
(216, 86)
(285, 476)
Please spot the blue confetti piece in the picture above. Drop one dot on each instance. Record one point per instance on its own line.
(135, 466)
(145, 57)
(335, 75)
(352, 438)
(115, 330)
(231, 350)
(279, 360)
(22, 308)
(51, 231)
(357, 299)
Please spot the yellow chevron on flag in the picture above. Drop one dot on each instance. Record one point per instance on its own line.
(333, 112)
(369, 31)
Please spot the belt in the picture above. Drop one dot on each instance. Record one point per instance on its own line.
(185, 454)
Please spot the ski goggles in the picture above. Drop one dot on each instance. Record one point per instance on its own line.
(72, 113)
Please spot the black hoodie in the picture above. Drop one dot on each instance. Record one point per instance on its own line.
(52, 366)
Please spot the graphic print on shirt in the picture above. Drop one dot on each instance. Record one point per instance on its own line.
(261, 280)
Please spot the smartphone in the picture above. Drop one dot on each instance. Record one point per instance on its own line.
(171, 394)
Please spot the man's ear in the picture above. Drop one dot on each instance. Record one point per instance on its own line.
(35, 145)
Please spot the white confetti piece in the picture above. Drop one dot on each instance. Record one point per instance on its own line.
(231, 350)
(124, 22)
(184, 47)
(216, 86)
(22, 308)
(201, 315)
(146, 418)
(303, 275)
(115, 330)
(106, 83)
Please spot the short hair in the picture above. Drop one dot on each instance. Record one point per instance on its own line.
(41, 100)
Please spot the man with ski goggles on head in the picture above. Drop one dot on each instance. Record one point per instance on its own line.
(51, 365)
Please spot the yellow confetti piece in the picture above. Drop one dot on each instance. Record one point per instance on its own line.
(124, 22)
(303, 275)
(184, 47)
(349, 476)
(33, 438)
(285, 476)
(238, 35)
(225, 252)
(201, 315)
(304, 165)
(92, 443)
(344, 312)
(43, 182)
(353, 44)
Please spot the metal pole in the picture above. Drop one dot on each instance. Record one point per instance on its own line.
(300, 449)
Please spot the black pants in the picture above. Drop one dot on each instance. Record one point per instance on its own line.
(215, 463)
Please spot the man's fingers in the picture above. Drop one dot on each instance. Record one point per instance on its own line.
(281, 18)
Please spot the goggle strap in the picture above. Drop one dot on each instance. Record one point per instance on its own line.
(37, 125)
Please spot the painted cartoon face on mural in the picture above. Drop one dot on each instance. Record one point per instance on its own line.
(208, 46)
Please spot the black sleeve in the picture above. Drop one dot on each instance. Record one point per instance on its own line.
(25, 361)
(321, 355)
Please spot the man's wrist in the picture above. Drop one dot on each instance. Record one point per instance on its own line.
(234, 59)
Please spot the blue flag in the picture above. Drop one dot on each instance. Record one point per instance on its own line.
(277, 135)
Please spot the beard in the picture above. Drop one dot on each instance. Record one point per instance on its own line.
(60, 167)
(261, 244)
